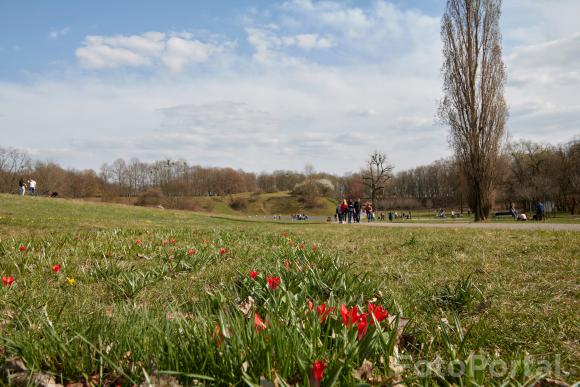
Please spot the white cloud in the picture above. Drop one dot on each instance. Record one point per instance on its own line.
(175, 51)
(268, 44)
(179, 52)
(57, 33)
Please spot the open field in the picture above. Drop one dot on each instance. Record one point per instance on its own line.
(264, 205)
(146, 293)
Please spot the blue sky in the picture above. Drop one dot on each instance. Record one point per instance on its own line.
(263, 85)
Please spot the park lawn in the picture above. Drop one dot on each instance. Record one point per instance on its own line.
(140, 308)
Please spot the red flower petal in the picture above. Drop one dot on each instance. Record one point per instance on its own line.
(318, 368)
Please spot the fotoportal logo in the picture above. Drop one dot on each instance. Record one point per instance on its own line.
(484, 366)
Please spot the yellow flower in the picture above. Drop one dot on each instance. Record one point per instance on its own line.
(71, 281)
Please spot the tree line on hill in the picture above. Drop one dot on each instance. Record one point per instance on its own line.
(526, 171)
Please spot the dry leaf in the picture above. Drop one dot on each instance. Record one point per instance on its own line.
(546, 382)
(396, 368)
(161, 381)
(246, 306)
(364, 372)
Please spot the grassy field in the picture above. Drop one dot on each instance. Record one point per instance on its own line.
(264, 205)
(147, 294)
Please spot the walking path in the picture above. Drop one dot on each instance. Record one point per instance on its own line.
(500, 226)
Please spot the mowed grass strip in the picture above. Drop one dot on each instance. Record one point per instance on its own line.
(516, 292)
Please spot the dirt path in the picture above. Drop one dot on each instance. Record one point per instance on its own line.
(509, 226)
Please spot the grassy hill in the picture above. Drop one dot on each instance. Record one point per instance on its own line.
(140, 293)
(278, 203)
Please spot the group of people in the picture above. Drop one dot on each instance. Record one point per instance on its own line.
(540, 212)
(349, 211)
(22, 187)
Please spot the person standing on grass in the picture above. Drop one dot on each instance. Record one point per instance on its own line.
(343, 210)
(21, 187)
(357, 211)
(540, 211)
(350, 211)
(369, 212)
(32, 187)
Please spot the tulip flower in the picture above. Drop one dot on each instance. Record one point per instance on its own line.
(379, 312)
(318, 368)
(258, 323)
(71, 281)
(223, 251)
(22, 248)
(191, 252)
(323, 311)
(7, 281)
(253, 274)
(138, 242)
(56, 268)
(273, 282)
(351, 316)
(362, 327)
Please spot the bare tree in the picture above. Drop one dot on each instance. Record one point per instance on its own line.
(474, 106)
(376, 174)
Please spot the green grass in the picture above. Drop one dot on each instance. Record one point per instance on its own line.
(141, 310)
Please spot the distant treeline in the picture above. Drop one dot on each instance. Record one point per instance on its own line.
(529, 172)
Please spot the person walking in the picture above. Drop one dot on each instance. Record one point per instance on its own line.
(21, 187)
(350, 211)
(369, 211)
(357, 210)
(343, 210)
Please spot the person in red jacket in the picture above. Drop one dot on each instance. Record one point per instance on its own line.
(343, 210)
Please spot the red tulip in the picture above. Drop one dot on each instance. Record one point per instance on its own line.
(345, 314)
(253, 274)
(7, 281)
(362, 327)
(138, 242)
(173, 241)
(314, 248)
(351, 316)
(301, 246)
(318, 368)
(191, 252)
(379, 312)
(258, 323)
(56, 268)
(223, 251)
(323, 311)
(273, 282)
(22, 248)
